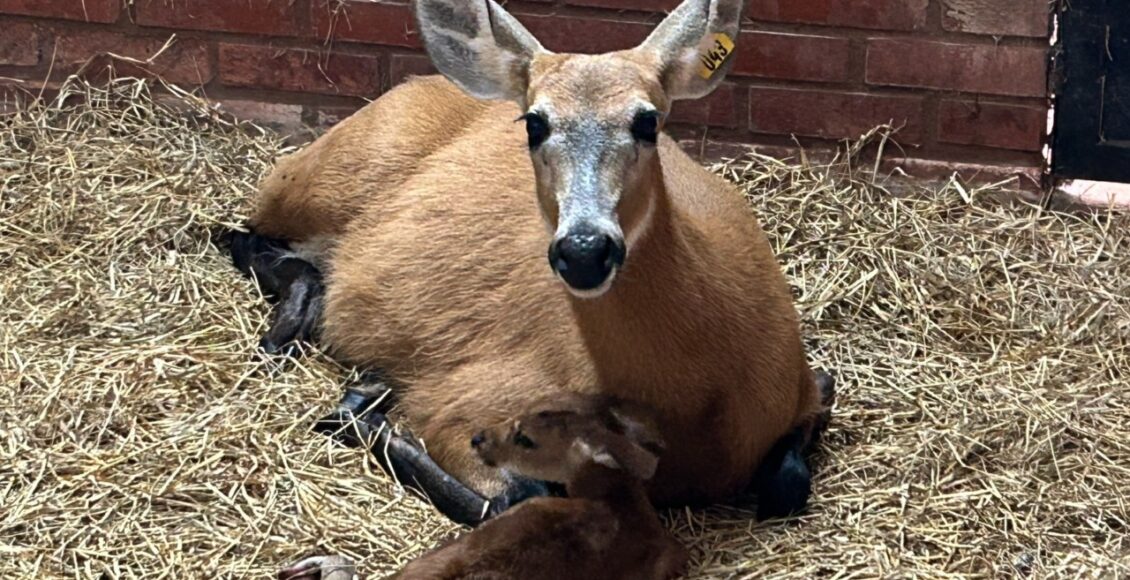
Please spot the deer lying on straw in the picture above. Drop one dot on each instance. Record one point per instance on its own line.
(413, 238)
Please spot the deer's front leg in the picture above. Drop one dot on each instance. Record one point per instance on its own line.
(358, 422)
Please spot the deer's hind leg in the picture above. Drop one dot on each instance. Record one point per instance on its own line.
(291, 281)
(783, 482)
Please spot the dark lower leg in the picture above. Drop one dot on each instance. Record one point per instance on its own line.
(359, 422)
(826, 383)
(296, 316)
(783, 482)
(254, 256)
(295, 283)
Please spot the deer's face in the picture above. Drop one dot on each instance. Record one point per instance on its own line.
(593, 121)
(593, 125)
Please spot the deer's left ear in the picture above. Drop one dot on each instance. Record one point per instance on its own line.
(695, 46)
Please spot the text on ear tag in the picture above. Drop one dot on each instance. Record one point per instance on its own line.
(715, 54)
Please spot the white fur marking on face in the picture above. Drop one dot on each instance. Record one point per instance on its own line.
(642, 227)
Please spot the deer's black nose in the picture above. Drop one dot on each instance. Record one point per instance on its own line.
(585, 259)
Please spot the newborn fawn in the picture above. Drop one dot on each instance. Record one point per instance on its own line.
(602, 451)
(606, 528)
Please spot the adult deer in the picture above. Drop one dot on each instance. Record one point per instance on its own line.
(431, 210)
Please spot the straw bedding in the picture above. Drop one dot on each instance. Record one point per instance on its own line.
(982, 348)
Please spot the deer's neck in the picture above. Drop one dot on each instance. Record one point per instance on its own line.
(659, 305)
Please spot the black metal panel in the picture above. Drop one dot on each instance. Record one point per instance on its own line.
(1092, 119)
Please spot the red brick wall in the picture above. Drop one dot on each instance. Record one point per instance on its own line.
(966, 78)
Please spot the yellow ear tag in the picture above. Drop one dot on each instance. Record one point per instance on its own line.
(714, 54)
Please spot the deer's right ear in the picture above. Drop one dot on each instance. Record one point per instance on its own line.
(478, 46)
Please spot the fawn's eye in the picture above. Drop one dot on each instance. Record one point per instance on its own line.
(537, 129)
(521, 440)
(645, 127)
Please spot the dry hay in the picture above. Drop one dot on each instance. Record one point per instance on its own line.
(982, 348)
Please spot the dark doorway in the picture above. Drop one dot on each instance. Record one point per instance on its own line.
(1092, 106)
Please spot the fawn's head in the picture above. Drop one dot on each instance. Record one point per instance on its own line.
(593, 121)
(554, 445)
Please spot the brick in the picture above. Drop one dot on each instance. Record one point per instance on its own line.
(980, 68)
(368, 22)
(14, 92)
(833, 114)
(267, 17)
(642, 5)
(20, 44)
(402, 66)
(329, 116)
(793, 57)
(184, 62)
(585, 35)
(305, 71)
(394, 25)
(716, 110)
(85, 10)
(873, 14)
(992, 125)
(997, 17)
(280, 114)
(283, 118)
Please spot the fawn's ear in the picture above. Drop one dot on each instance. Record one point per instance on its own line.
(621, 456)
(603, 457)
(639, 427)
(694, 46)
(478, 46)
(636, 460)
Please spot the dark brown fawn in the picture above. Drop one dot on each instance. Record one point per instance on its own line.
(605, 529)
(431, 212)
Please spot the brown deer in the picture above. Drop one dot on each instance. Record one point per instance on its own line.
(430, 212)
(606, 528)
(602, 451)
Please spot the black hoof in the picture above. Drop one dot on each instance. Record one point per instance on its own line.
(250, 252)
(289, 349)
(826, 382)
(786, 492)
(347, 423)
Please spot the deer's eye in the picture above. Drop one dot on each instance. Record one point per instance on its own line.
(537, 129)
(645, 127)
(521, 440)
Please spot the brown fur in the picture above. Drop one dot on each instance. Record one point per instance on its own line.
(607, 528)
(426, 212)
